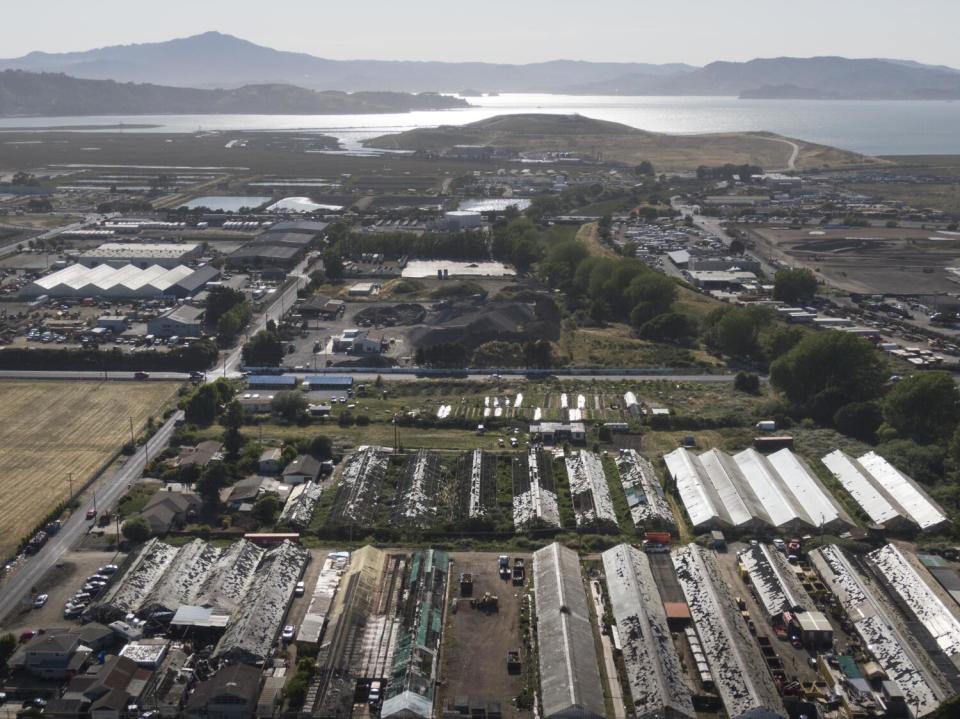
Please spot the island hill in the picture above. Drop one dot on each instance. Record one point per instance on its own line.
(543, 136)
(54, 94)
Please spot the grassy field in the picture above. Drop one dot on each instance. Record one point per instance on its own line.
(50, 429)
(613, 141)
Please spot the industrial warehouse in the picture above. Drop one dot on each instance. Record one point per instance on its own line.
(124, 282)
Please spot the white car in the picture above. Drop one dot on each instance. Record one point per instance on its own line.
(40, 601)
(300, 589)
(289, 632)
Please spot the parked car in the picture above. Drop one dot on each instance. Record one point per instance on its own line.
(289, 632)
(91, 513)
(40, 601)
(300, 589)
(108, 569)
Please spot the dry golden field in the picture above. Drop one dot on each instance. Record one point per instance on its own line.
(49, 429)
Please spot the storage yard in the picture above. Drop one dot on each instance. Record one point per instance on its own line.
(52, 431)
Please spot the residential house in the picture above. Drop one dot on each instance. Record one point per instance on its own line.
(231, 693)
(244, 493)
(201, 455)
(167, 510)
(271, 461)
(304, 468)
(59, 653)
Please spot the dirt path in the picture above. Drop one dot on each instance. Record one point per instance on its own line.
(589, 235)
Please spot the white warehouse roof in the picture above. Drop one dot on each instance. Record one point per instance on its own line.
(106, 281)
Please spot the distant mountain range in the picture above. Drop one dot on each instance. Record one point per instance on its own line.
(54, 94)
(215, 60)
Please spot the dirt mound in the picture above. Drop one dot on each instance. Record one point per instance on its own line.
(402, 314)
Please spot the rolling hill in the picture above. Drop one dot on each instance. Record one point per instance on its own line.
(53, 94)
(613, 141)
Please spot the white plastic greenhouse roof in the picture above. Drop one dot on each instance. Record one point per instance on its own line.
(767, 485)
(857, 482)
(694, 488)
(732, 487)
(808, 493)
(904, 491)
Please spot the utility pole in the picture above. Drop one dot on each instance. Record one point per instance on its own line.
(133, 442)
(70, 480)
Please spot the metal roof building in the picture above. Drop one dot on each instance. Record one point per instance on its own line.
(126, 281)
(569, 675)
(889, 497)
(738, 669)
(654, 673)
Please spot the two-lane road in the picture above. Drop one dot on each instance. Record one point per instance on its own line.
(108, 490)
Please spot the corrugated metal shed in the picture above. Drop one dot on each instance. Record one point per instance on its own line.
(569, 675)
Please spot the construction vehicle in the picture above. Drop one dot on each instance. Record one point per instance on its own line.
(519, 573)
(513, 661)
(504, 564)
(489, 603)
(466, 584)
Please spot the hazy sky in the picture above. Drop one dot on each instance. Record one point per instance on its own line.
(693, 31)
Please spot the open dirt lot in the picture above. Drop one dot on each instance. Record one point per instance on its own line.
(476, 643)
(51, 429)
(871, 260)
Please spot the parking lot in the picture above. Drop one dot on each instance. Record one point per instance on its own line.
(60, 584)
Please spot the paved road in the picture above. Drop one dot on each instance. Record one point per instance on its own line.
(278, 305)
(108, 491)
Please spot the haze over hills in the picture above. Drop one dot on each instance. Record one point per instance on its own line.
(817, 77)
(213, 59)
(584, 136)
(54, 94)
(216, 60)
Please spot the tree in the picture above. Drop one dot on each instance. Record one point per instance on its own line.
(924, 407)
(213, 479)
(794, 285)
(290, 404)
(838, 361)
(136, 530)
(8, 645)
(747, 382)
(265, 349)
(202, 407)
(221, 300)
(333, 266)
(265, 509)
(321, 447)
(859, 420)
(670, 326)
